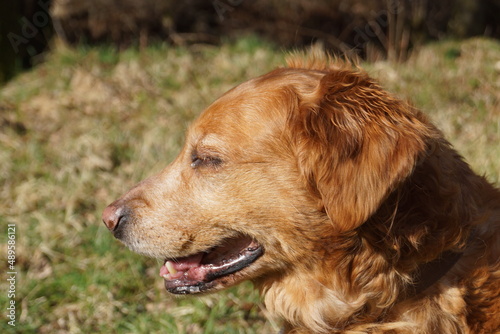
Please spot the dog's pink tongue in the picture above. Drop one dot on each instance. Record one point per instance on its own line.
(163, 271)
(178, 267)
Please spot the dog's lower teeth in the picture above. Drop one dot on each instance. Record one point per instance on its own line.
(170, 268)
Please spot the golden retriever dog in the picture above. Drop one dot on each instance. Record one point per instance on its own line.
(345, 207)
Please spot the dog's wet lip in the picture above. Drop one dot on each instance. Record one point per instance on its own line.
(201, 271)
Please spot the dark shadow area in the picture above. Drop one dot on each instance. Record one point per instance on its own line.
(372, 29)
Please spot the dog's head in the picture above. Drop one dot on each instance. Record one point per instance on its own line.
(270, 173)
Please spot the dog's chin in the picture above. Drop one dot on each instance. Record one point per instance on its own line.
(217, 268)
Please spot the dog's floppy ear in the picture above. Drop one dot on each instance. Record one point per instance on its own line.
(354, 144)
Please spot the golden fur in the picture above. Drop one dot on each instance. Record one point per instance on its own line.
(349, 190)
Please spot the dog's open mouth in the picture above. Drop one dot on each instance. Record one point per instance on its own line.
(202, 271)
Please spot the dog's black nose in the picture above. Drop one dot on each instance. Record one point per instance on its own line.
(113, 216)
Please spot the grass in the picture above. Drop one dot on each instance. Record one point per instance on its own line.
(82, 128)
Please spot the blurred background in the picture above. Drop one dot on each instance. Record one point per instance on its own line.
(374, 29)
(96, 95)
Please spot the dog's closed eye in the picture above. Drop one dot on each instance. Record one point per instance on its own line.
(200, 160)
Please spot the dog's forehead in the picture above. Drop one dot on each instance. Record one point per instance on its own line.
(245, 113)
